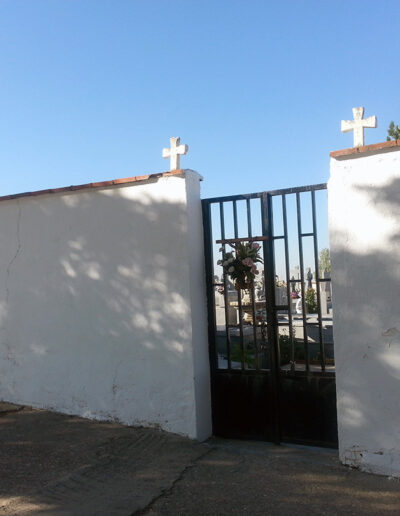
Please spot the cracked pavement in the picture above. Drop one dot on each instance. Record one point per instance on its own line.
(54, 464)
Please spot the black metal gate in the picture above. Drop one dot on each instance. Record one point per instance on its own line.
(271, 346)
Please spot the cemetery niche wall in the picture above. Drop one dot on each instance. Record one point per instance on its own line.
(102, 307)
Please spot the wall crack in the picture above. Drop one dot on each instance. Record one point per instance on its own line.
(18, 250)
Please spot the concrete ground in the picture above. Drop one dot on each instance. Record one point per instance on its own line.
(52, 464)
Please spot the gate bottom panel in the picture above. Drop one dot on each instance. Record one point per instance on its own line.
(308, 410)
(243, 406)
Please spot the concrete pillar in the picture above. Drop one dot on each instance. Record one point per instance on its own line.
(364, 226)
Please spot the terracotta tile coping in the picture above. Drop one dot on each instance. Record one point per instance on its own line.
(353, 152)
(91, 186)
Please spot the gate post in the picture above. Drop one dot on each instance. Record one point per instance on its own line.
(364, 222)
(198, 307)
(269, 273)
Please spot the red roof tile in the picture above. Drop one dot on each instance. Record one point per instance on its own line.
(102, 184)
(365, 149)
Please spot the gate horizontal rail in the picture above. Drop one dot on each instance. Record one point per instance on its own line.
(284, 191)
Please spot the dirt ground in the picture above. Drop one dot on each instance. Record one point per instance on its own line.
(53, 464)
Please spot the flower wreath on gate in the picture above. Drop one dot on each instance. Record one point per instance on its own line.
(240, 265)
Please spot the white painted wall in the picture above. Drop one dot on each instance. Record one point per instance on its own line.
(102, 304)
(364, 218)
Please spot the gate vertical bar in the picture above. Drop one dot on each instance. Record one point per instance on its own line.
(321, 343)
(207, 227)
(212, 347)
(239, 294)
(252, 291)
(228, 335)
(269, 275)
(303, 297)
(288, 284)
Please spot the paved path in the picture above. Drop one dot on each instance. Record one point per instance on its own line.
(52, 464)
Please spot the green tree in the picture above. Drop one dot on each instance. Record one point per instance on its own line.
(393, 132)
(324, 261)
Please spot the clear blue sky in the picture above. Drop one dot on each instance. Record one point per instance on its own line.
(92, 90)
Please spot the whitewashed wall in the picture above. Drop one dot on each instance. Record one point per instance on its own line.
(103, 307)
(364, 217)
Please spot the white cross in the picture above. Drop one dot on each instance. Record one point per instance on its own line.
(175, 152)
(357, 125)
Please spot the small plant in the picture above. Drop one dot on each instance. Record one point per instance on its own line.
(311, 300)
(285, 348)
(249, 358)
(393, 132)
(240, 265)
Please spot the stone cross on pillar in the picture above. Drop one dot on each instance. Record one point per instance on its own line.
(357, 125)
(175, 152)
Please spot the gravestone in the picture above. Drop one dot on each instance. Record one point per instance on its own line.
(325, 295)
(309, 278)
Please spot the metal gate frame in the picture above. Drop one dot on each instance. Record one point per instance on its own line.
(276, 390)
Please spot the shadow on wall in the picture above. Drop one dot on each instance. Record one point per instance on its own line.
(365, 267)
(95, 304)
